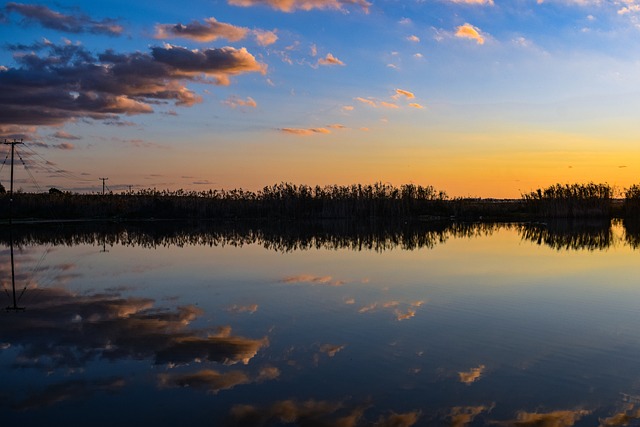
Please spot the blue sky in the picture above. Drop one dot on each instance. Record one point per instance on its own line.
(483, 98)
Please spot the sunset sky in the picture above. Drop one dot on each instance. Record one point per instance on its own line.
(487, 98)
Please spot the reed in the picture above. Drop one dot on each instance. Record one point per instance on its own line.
(571, 201)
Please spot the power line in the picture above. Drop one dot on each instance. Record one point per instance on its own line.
(62, 173)
(29, 172)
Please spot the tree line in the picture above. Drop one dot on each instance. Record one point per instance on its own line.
(303, 202)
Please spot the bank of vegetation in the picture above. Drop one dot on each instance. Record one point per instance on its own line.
(356, 202)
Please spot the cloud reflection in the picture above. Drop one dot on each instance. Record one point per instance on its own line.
(207, 379)
(461, 416)
(250, 308)
(62, 329)
(402, 311)
(213, 381)
(472, 375)
(315, 413)
(549, 419)
(70, 390)
(314, 280)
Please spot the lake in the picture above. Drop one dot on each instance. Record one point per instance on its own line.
(325, 324)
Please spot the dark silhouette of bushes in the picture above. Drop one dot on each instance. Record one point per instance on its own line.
(571, 201)
(279, 201)
(632, 202)
(303, 202)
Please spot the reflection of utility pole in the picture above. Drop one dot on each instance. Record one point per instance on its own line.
(104, 243)
(13, 146)
(13, 307)
(103, 180)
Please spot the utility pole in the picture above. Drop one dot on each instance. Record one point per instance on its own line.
(13, 146)
(103, 180)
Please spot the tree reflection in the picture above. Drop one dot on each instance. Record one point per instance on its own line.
(569, 235)
(289, 236)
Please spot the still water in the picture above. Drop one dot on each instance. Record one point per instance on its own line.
(451, 325)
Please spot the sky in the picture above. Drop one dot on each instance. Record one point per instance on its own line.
(481, 98)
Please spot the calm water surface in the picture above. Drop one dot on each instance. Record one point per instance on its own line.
(474, 325)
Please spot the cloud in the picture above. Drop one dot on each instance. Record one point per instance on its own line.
(336, 126)
(555, 418)
(293, 5)
(314, 280)
(414, 38)
(347, 108)
(474, 2)
(234, 102)
(472, 375)
(305, 132)
(61, 22)
(69, 82)
(64, 146)
(17, 132)
(388, 105)
(65, 135)
(330, 60)
(405, 93)
(366, 101)
(265, 37)
(219, 63)
(416, 105)
(209, 31)
(468, 31)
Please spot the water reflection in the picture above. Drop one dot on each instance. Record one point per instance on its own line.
(569, 235)
(62, 329)
(315, 413)
(408, 338)
(289, 237)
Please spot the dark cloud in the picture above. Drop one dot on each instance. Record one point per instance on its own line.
(61, 329)
(209, 31)
(69, 82)
(67, 23)
(17, 132)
